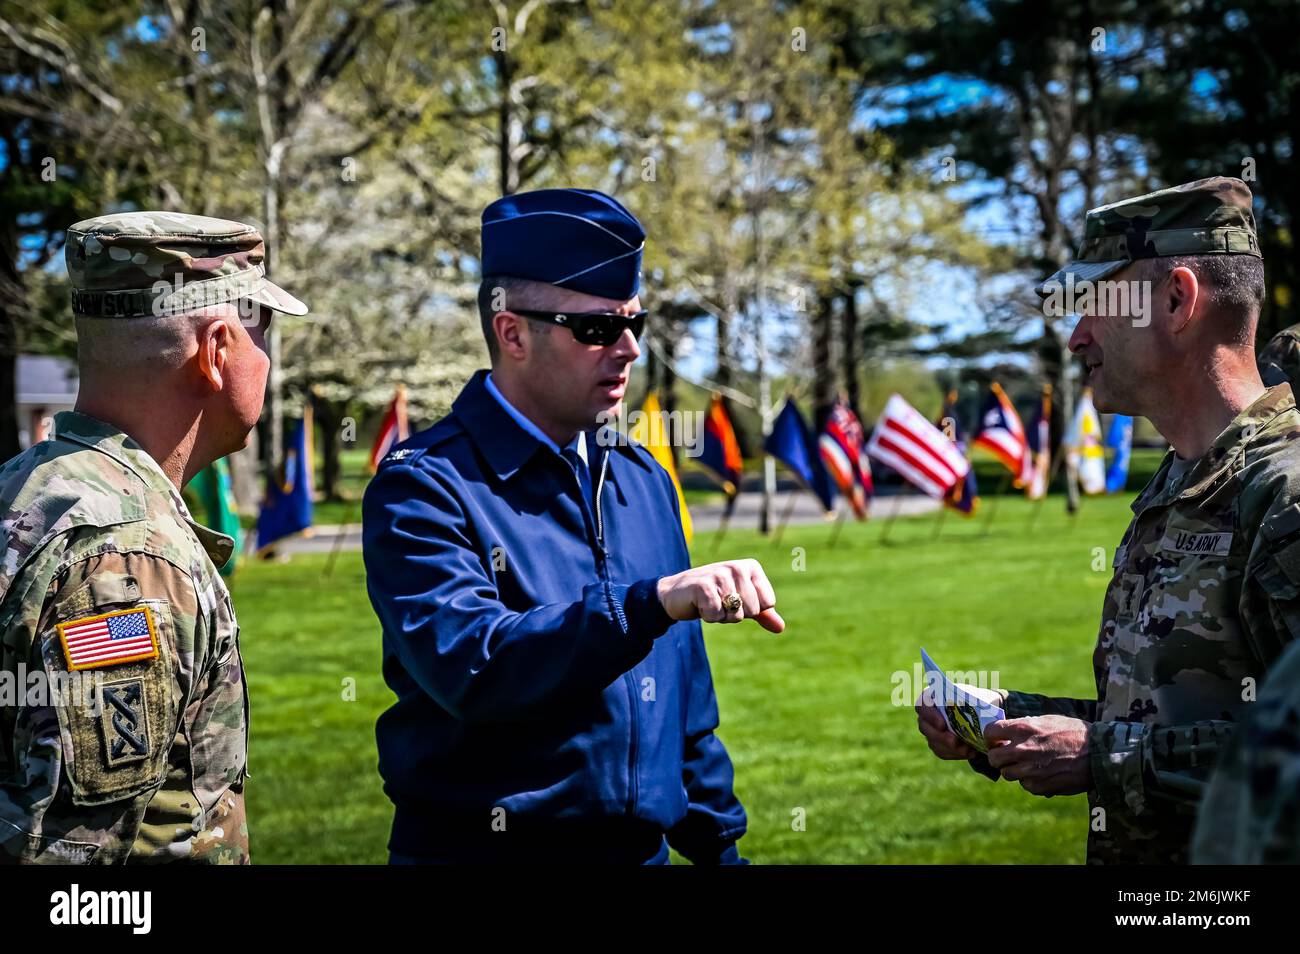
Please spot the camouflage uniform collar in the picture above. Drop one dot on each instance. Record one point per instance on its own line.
(115, 443)
(1226, 450)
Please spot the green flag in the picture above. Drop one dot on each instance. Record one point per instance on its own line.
(212, 486)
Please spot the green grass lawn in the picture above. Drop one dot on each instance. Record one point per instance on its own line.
(807, 716)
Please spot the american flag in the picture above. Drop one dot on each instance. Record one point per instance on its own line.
(122, 636)
(918, 450)
(840, 446)
(1002, 433)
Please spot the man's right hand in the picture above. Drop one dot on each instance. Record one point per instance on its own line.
(943, 742)
(699, 593)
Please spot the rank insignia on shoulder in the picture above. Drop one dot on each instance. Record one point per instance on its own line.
(109, 639)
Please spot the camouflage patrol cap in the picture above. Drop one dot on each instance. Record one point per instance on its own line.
(142, 264)
(1207, 217)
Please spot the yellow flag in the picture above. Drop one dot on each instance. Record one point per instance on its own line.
(650, 433)
(1084, 451)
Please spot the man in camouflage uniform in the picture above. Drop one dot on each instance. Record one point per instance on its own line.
(107, 582)
(1204, 595)
(1279, 360)
(1251, 811)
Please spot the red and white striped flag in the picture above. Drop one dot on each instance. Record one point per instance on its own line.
(906, 441)
(1002, 434)
(841, 451)
(392, 430)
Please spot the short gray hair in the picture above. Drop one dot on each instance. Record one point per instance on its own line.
(1232, 282)
(164, 342)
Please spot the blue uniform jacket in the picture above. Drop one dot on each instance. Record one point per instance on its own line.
(535, 670)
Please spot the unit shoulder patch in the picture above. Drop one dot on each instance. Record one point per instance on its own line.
(124, 723)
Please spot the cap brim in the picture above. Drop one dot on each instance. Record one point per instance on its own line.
(1082, 272)
(273, 296)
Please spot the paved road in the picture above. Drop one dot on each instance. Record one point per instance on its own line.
(705, 517)
(806, 509)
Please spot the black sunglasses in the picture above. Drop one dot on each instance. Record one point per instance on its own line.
(592, 327)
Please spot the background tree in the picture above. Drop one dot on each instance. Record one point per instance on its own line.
(1223, 98)
(1020, 98)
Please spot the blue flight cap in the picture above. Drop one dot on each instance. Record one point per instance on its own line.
(573, 238)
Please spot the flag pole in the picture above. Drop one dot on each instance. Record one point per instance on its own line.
(1078, 502)
(1045, 410)
(348, 516)
(839, 525)
(1047, 486)
(893, 515)
(1073, 498)
(726, 521)
(785, 517)
(938, 524)
(402, 422)
(993, 506)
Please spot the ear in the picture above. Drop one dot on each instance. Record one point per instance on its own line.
(512, 334)
(1182, 294)
(216, 341)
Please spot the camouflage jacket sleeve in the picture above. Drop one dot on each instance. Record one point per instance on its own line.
(1018, 705)
(1270, 603)
(1135, 765)
(1251, 811)
(136, 758)
(1279, 359)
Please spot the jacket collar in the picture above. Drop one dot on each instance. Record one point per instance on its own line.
(505, 445)
(499, 438)
(1228, 448)
(99, 435)
(107, 439)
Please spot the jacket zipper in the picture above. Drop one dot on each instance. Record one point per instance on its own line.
(633, 722)
(600, 522)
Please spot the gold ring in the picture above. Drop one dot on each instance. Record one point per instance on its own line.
(732, 602)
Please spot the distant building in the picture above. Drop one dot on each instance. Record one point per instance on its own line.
(46, 385)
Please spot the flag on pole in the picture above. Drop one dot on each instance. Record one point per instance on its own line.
(721, 452)
(1120, 441)
(212, 486)
(963, 496)
(841, 451)
(651, 434)
(792, 444)
(286, 510)
(1002, 434)
(393, 429)
(309, 451)
(918, 450)
(1084, 453)
(1040, 447)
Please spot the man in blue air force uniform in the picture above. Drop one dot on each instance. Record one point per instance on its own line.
(540, 616)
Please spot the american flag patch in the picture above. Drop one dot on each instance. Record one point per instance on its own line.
(118, 637)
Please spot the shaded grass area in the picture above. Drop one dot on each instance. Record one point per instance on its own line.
(808, 716)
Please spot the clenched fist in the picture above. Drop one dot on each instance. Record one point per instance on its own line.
(702, 592)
